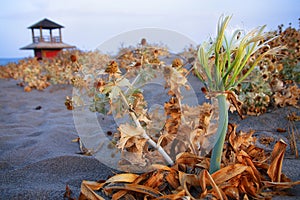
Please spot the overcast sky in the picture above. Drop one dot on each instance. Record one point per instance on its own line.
(88, 23)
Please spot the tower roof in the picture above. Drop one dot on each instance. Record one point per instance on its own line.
(48, 45)
(46, 24)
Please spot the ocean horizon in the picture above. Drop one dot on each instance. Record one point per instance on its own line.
(5, 61)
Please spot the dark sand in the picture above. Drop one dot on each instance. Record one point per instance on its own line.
(38, 159)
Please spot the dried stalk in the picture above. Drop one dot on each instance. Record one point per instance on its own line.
(144, 134)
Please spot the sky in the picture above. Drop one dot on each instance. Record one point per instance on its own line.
(90, 23)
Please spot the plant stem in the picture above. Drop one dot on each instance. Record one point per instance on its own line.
(144, 135)
(215, 161)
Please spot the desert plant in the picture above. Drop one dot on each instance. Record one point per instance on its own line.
(223, 64)
(116, 88)
(275, 82)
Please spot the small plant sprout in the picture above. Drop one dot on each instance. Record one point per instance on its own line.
(223, 64)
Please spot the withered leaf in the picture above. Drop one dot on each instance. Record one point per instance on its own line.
(241, 139)
(129, 130)
(175, 80)
(209, 179)
(179, 195)
(135, 188)
(277, 155)
(232, 192)
(126, 178)
(68, 193)
(228, 172)
(87, 190)
(237, 105)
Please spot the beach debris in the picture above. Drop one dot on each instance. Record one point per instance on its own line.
(21, 84)
(281, 130)
(266, 140)
(69, 103)
(83, 150)
(38, 108)
(293, 132)
(27, 89)
(69, 193)
(293, 117)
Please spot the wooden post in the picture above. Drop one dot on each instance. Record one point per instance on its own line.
(32, 33)
(60, 38)
(41, 35)
(51, 39)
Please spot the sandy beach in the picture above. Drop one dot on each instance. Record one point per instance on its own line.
(38, 158)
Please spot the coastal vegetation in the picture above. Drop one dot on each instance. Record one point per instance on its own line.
(249, 73)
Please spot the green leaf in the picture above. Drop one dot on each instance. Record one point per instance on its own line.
(123, 83)
(114, 93)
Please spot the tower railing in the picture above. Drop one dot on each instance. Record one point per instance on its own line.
(54, 39)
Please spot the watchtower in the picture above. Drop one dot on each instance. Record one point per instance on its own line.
(46, 39)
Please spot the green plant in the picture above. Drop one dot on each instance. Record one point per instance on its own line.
(223, 64)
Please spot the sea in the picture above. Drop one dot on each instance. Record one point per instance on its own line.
(5, 61)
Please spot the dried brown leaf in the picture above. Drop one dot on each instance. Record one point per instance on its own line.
(129, 134)
(232, 192)
(134, 188)
(156, 179)
(293, 117)
(68, 193)
(228, 172)
(134, 154)
(172, 179)
(188, 179)
(248, 186)
(241, 140)
(188, 159)
(87, 190)
(287, 96)
(172, 109)
(126, 178)
(253, 171)
(178, 195)
(209, 179)
(129, 130)
(162, 167)
(175, 80)
(119, 194)
(277, 155)
(281, 185)
(234, 101)
(83, 150)
(293, 133)
(281, 130)
(257, 154)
